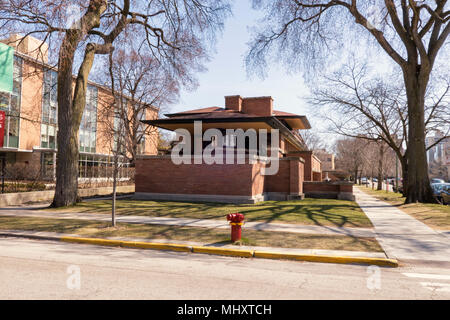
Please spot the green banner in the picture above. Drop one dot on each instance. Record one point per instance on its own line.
(6, 68)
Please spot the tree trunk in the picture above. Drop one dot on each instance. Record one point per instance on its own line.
(404, 165)
(70, 113)
(419, 189)
(380, 168)
(71, 104)
(67, 154)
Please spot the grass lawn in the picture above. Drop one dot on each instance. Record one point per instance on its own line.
(207, 236)
(434, 215)
(322, 212)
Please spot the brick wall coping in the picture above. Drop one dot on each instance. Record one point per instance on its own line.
(344, 183)
(17, 199)
(305, 152)
(293, 158)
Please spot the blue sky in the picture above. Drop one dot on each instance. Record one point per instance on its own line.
(226, 73)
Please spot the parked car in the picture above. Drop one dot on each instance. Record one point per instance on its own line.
(364, 180)
(392, 181)
(374, 180)
(437, 188)
(435, 180)
(445, 194)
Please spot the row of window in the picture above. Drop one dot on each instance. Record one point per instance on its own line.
(10, 103)
(88, 126)
(90, 166)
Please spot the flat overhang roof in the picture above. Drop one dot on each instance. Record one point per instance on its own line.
(296, 122)
(222, 123)
(172, 124)
(244, 123)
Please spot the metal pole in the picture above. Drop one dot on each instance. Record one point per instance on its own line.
(396, 173)
(3, 174)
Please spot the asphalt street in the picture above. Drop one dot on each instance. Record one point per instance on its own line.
(31, 269)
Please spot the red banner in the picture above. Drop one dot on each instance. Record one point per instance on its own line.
(2, 127)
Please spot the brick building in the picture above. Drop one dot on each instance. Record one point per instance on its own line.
(438, 155)
(158, 177)
(326, 158)
(31, 114)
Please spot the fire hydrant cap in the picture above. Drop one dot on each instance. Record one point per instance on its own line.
(235, 217)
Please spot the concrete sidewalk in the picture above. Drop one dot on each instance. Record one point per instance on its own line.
(202, 223)
(401, 236)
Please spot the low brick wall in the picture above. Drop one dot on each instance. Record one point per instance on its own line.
(288, 182)
(157, 177)
(312, 165)
(17, 199)
(329, 190)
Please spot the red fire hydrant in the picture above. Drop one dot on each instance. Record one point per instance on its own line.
(236, 221)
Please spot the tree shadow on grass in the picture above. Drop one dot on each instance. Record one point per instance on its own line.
(302, 212)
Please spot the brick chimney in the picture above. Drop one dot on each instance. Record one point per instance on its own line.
(261, 106)
(233, 103)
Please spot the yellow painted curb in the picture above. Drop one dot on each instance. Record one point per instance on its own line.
(234, 252)
(157, 246)
(327, 259)
(101, 242)
(223, 251)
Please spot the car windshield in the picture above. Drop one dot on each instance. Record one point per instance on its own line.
(437, 186)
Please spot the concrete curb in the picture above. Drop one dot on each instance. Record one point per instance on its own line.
(215, 251)
(224, 251)
(30, 236)
(327, 259)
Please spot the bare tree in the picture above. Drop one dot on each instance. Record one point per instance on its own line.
(311, 140)
(351, 156)
(357, 105)
(173, 31)
(142, 89)
(411, 33)
(148, 89)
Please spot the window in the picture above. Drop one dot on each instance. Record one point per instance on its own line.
(50, 103)
(88, 127)
(48, 136)
(49, 110)
(10, 103)
(120, 123)
(48, 165)
(141, 131)
(101, 167)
